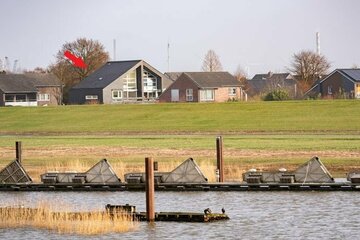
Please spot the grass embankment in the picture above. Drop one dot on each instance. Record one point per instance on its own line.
(43, 217)
(293, 116)
(264, 135)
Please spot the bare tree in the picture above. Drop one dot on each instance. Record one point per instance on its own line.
(309, 66)
(241, 77)
(211, 62)
(91, 51)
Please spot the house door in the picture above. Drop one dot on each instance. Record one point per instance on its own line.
(174, 95)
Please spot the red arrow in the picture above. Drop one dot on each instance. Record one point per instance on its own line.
(77, 61)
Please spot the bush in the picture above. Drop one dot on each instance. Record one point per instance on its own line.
(277, 95)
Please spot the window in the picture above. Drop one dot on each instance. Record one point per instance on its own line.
(150, 82)
(232, 91)
(91, 97)
(117, 94)
(189, 95)
(130, 81)
(43, 97)
(207, 95)
(329, 90)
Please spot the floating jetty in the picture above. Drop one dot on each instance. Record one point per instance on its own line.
(207, 216)
(219, 187)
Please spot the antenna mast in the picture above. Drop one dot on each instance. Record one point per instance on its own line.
(168, 56)
(114, 45)
(318, 43)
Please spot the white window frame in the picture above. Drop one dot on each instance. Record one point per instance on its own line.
(44, 97)
(232, 91)
(91, 97)
(204, 95)
(119, 93)
(189, 95)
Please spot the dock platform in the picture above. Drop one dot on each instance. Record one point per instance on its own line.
(179, 187)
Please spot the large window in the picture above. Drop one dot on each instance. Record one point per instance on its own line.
(232, 91)
(207, 95)
(117, 94)
(189, 95)
(43, 97)
(130, 85)
(150, 83)
(16, 98)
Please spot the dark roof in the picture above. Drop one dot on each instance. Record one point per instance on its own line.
(270, 76)
(353, 74)
(107, 74)
(261, 82)
(173, 75)
(11, 83)
(213, 79)
(44, 79)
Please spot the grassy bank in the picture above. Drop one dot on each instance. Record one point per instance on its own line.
(264, 135)
(338, 116)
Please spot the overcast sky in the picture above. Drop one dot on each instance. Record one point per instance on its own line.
(258, 35)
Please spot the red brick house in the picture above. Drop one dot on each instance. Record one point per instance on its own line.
(202, 87)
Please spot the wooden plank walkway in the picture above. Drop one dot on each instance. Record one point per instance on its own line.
(242, 187)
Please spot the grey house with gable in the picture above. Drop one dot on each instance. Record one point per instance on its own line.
(120, 82)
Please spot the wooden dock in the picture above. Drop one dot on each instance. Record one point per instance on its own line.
(240, 187)
(183, 217)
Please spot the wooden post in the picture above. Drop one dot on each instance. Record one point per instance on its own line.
(18, 151)
(219, 158)
(150, 189)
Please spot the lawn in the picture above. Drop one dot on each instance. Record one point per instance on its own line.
(340, 116)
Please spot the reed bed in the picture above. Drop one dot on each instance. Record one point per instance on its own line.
(65, 222)
(233, 171)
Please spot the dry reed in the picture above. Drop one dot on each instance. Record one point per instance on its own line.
(91, 223)
(233, 172)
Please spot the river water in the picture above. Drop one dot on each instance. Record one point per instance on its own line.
(253, 215)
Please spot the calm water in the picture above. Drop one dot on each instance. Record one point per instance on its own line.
(254, 215)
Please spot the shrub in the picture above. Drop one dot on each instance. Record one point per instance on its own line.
(277, 95)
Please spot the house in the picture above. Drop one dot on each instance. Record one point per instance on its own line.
(343, 83)
(33, 89)
(202, 87)
(264, 83)
(120, 82)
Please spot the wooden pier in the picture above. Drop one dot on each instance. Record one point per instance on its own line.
(184, 217)
(240, 187)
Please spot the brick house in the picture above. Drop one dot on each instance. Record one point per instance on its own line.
(202, 87)
(339, 83)
(31, 89)
(120, 82)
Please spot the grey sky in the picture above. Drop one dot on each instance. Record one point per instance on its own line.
(259, 35)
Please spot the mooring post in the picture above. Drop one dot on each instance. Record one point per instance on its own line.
(18, 151)
(219, 158)
(150, 189)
